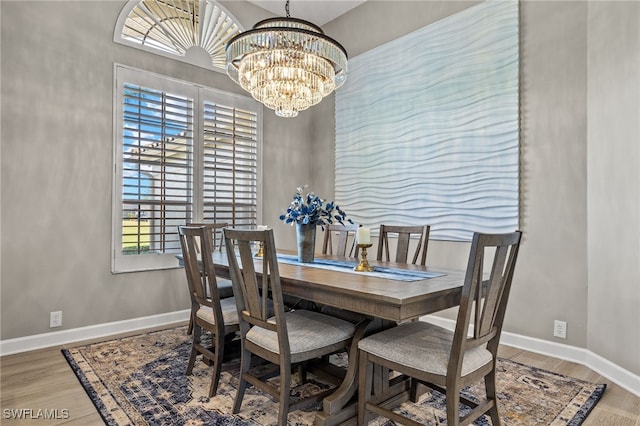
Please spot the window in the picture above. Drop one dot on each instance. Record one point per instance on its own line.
(194, 31)
(183, 153)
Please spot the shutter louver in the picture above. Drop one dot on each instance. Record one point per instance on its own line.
(175, 27)
(230, 165)
(157, 169)
(183, 153)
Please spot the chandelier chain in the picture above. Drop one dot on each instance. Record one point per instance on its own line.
(286, 9)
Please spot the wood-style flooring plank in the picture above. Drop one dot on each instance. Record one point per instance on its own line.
(618, 401)
(43, 380)
(538, 360)
(600, 417)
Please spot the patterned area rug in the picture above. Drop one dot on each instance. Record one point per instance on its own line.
(140, 380)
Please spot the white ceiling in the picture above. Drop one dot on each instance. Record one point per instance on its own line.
(314, 11)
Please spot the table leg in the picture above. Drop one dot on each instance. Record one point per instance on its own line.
(341, 407)
(341, 396)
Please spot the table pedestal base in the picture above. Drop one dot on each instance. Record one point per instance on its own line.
(341, 407)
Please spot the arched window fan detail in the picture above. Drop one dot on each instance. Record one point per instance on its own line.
(193, 31)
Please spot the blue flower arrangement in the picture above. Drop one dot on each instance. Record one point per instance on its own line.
(312, 210)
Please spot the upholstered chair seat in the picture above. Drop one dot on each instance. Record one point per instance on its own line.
(423, 346)
(225, 288)
(229, 312)
(308, 331)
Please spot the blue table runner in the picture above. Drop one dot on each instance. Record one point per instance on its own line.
(347, 266)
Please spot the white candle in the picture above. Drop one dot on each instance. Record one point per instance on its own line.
(364, 235)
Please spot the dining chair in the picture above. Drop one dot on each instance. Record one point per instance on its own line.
(224, 285)
(346, 247)
(286, 338)
(346, 239)
(213, 314)
(439, 358)
(404, 234)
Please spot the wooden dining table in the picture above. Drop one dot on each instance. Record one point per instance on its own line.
(380, 299)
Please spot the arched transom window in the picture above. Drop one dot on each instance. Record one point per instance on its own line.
(193, 31)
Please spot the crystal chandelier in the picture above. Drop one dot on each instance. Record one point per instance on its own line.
(287, 64)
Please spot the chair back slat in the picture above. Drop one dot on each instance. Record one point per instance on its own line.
(190, 259)
(484, 298)
(494, 292)
(254, 286)
(200, 269)
(403, 245)
(214, 232)
(346, 244)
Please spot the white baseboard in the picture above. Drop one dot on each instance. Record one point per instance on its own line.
(615, 373)
(57, 338)
(622, 377)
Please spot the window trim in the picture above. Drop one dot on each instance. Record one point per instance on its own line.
(199, 93)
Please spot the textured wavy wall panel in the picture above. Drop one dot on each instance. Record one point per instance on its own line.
(427, 127)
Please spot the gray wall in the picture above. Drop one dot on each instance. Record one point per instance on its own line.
(57, 156)
(580, 179)
(580, 174)
(613, 111)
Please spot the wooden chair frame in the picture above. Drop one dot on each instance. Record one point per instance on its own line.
(254, 310)
(211, 229)
(404, 234)
(344, 248)
(484, 300)
(203, 289)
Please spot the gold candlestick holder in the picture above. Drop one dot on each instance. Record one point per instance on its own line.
(260, 252)
(363, 266)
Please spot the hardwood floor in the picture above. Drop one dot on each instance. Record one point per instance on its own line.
(43, 380)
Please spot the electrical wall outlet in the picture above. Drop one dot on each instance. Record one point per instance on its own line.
(55, 319)
(560, 329)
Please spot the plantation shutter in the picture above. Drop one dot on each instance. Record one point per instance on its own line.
(157, 180)
(230, 164)
(183, 153)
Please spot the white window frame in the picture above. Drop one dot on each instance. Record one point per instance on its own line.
(120, 262)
